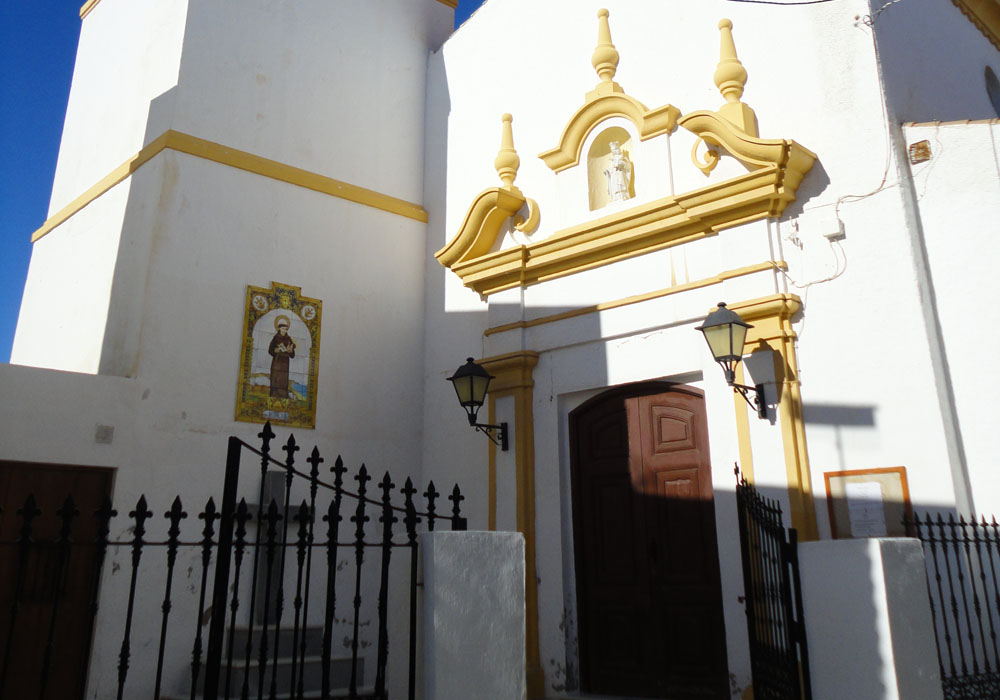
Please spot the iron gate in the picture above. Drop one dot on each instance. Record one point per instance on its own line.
(779, 658)
(963, 567)
(243, 574)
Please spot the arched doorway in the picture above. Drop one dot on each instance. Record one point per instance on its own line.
(649, 600)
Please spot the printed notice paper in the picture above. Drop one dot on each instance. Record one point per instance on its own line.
(867, 513)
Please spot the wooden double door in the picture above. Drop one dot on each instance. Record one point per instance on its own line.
(648, 594)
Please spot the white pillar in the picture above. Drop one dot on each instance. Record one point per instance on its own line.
(474, 615)
(868, 620)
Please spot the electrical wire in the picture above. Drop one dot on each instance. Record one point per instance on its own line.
(870, 19)
(775, 2)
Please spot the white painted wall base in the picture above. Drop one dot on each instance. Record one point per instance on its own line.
(474, 619)
(868, 620)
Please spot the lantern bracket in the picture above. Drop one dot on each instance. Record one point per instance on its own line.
(758, 403)
(500, 439)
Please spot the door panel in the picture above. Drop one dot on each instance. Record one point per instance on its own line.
(43, 590)
(648, 593)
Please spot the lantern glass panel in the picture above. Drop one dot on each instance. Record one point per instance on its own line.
(463, 387)
(725, 341)
(478, 388)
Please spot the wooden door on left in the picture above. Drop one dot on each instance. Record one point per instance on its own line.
(47, 596)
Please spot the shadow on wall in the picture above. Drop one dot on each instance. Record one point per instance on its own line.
(839, 416)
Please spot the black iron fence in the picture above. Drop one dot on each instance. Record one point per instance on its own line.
(779, 658)
(250, 647)
(963, 567)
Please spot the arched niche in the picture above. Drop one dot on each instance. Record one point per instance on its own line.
(599, 160)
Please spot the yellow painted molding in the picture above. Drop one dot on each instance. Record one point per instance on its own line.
(649, 123)
(481, 226)
(794, 159)
(512, 376)
(731, 77)
(771, 318)
(511, 371)
(450, 3)
(625, 234)
(103, 185)
(209, 150)
(639, 298)
(87, 7)
(607, 100)
(985, 14)
(491, 208)
(605, 58)
(743, 427)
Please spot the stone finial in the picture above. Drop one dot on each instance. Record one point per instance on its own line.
(730, 78)
(507, 161)
(605, 58)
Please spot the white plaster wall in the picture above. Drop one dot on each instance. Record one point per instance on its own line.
(129, 54)
(334, 88)
(214, 231)
(304, 84)
(933, 60)
(67, 434)
(64, 310)
(958, 197)
(868, 620)
(474, 627)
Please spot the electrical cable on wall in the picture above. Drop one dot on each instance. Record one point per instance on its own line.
(775, 2)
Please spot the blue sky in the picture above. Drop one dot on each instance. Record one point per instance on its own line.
(37, 49)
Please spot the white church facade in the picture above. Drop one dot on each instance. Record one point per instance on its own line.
(563, 193)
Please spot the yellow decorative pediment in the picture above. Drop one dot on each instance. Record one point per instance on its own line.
(482, 224)
(733, 127)
(656, 225)
(776, 168)
(649, 123)
(793, 159)
(491, 208)
(607, 100)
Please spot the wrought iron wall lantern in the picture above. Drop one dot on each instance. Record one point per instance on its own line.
(471, 382)
(726, 333)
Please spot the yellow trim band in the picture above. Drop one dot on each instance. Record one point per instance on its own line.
(638, 298)
(87, 7)
(643, 229)
(209, 150)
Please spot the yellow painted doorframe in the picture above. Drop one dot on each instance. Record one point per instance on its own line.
(771, 318)
(512, 377)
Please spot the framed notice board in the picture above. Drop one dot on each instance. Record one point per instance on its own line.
(868, 502)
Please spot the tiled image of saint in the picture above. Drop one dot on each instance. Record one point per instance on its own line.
(280, 357)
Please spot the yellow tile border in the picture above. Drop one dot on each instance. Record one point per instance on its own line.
(209, 150)
(638, 298)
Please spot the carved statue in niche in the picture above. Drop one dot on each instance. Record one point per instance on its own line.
(618, 173)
